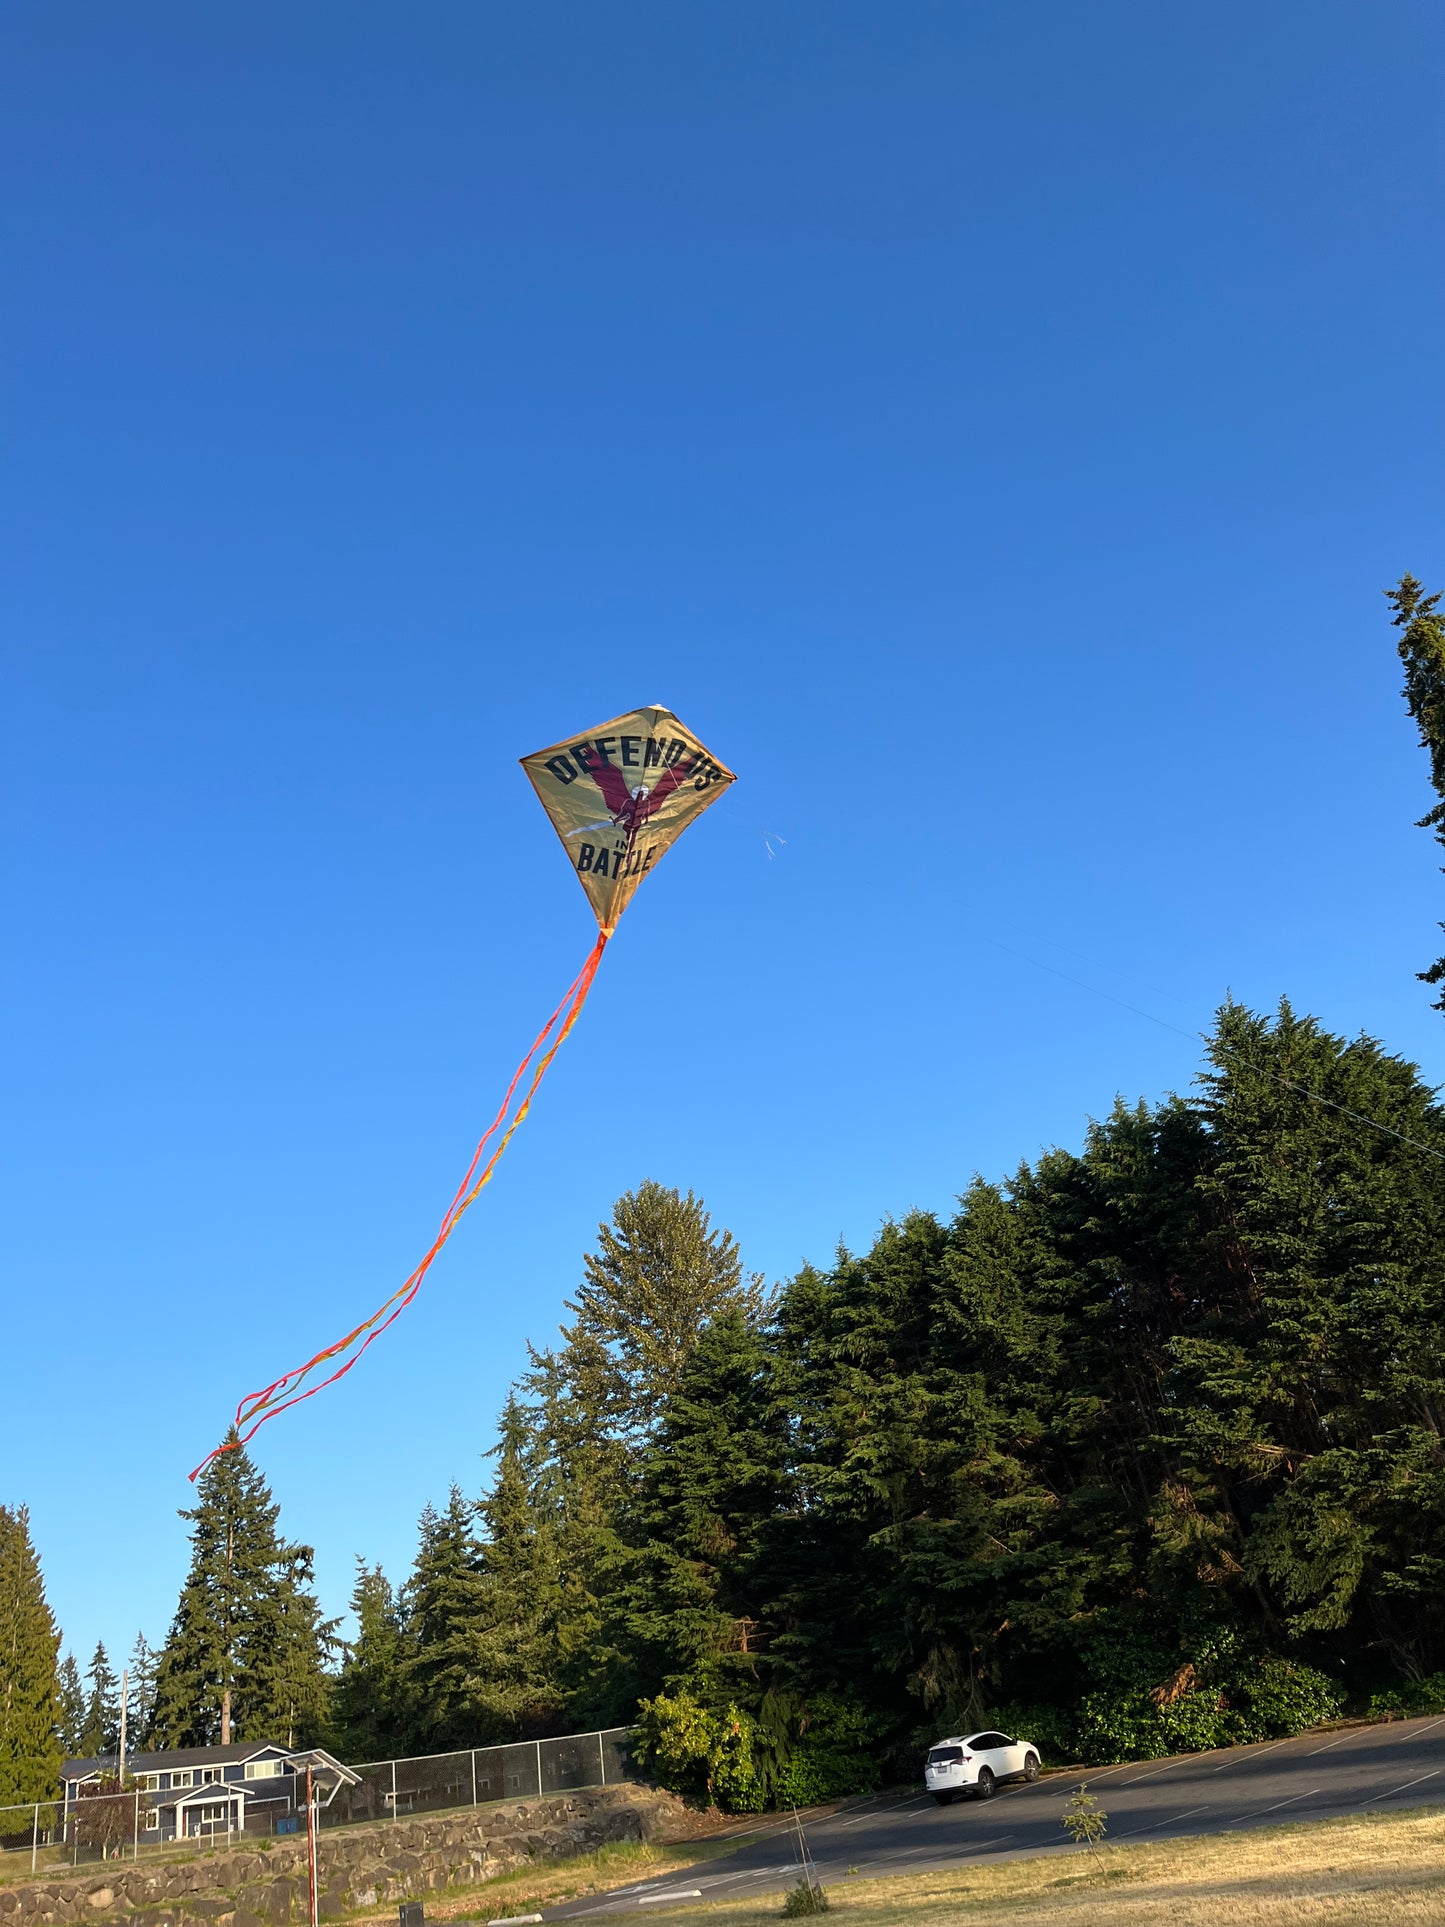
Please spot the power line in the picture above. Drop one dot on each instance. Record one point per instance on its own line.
(1216, 1043)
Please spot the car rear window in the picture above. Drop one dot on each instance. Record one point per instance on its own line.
(945, 1756)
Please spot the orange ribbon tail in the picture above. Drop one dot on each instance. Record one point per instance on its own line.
(291, 1388)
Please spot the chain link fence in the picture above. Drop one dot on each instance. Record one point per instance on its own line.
(109, 1826)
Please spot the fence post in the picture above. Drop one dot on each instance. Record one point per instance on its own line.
(474, 1776)
(602, 1760)
(538, 1745)
(35, 1836)
(136, 1835)
(393, 1789)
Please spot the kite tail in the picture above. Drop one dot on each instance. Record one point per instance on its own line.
(257, 1407)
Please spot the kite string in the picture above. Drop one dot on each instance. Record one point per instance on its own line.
(264, 1405)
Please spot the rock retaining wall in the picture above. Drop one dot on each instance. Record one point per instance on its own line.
(357, 1867)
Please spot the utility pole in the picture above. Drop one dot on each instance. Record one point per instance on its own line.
(311, 1841)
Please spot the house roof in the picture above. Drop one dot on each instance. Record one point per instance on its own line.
(181, 1756)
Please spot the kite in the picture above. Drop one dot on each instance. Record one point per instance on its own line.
(619, 798)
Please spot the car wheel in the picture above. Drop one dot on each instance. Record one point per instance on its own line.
(983, 1785)
(944, 1799)
(1031, 1767)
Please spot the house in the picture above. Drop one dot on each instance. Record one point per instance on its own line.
(256, 1787)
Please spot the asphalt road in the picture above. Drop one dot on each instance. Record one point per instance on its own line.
(1318, 1775)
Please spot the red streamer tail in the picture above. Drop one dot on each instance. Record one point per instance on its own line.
(291, 1388)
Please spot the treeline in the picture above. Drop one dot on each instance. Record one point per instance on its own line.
(1140, 1450)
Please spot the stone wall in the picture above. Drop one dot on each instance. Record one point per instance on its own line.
(357, 1867)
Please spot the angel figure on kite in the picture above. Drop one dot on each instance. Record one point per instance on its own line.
(675, 780)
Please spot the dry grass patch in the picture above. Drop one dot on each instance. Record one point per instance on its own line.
(529, 1889)
(1376, 1871)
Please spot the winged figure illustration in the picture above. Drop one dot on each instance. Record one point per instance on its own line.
(631, 808)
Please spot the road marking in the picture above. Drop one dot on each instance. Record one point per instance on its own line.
(1291, 1801)
(1152, 1776)
(1168, 1820)
(1255, 1753)
(682, 1893)
(1328, 1744)
(1432, 1774)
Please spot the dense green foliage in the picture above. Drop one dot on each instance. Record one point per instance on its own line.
(1139, 1451)
(30, 1708)
(1422, 650)
(246, 1657)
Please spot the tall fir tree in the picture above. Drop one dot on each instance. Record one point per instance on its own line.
(368, 1704)
(141, 1710)
(72, 1707)
(30, 1705)
(101, 1732)
(247, 1651)
(441, 1672)
(518, 1694)
(1422, 650)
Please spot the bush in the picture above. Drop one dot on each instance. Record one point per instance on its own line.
(692, 1749)
(1409, 1699)
(1248, 1698)
(804, 1899)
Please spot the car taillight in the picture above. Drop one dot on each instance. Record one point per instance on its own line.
(966, 1758)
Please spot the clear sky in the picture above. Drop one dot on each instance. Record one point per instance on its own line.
(989, 426)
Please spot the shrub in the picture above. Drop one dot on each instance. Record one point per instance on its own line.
(1410, 1698)
(692, 1749)
(804, 1899)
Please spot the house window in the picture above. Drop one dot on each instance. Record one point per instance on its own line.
(209, 1776)
(183, 1777)
(153, 1819)
(148, 1782)
(263, 1769)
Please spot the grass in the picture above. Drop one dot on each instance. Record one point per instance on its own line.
(531, 1888)
(1375, 1871)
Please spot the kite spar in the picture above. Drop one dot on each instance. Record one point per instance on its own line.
(619, 798)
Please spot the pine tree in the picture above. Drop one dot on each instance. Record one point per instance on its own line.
(142, 1682)
(101, 1731)
(659, 1274)
(247, 1648)
(72, 1707)
(712, 1483)
(1422, 650)
(518, 1691)
(369, 1712)
(30, 1708)
(442, 1670)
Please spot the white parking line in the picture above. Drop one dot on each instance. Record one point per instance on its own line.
(1293, 1800)
(1329, 1743)
(1431, 1775)
(1167, 1821)
(1139, 1777)
(1255, 1753)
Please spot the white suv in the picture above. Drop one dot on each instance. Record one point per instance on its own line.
(976, 1764)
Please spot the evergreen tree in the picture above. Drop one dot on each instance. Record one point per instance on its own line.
(1422, 650)
(660, 1273)
(101, 1731)
(30, 1706)
(72, 1707)
(247, 1648)
(711, 1484)
(142, 1705)
(442, 1671)
(518, 1693)
(369, 1713)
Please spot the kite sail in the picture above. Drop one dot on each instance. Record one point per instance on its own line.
(619, 797)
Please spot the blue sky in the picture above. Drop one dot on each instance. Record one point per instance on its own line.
(989, 426)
